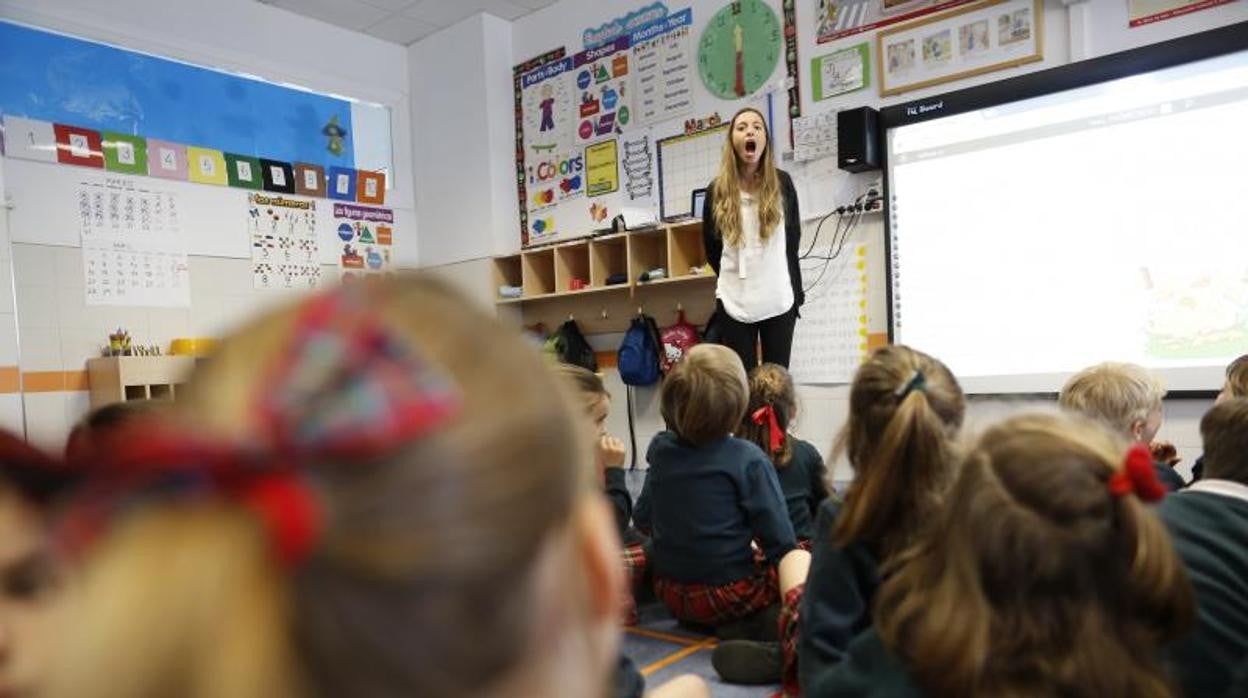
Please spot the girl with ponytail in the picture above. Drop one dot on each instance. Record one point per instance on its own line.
(1046, 574)
(905, 408)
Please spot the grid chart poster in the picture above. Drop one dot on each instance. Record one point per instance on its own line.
(663, 68)
(367, 237)
(687, 162)
(830, 339)
(284, 248)
(133, 250)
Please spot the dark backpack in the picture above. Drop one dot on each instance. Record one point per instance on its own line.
(572, 348)
(638, 359)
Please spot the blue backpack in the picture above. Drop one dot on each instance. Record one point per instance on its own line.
(638, 358)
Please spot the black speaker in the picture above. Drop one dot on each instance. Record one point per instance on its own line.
(858, 139)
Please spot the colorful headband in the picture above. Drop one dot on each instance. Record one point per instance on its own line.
(917, 381)
(775, 434)
(1137, 476)
(344, 389)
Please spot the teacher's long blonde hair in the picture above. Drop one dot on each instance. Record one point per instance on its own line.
(727, 189)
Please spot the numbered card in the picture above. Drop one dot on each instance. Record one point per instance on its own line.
(168, 159)
(279, 175)
(125, 152)
(311, 180)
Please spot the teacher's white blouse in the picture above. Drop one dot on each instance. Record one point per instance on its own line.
(754, 275)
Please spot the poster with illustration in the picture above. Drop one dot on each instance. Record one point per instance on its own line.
(551, 181)
(367, 238)
(662, 68)
(836, 19)
(547, 108)
(282, 231)
(603, 92)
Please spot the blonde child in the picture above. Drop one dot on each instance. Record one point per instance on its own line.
(1209, 524)
(707, 495)
(343, 506)
(768, 415)
(1045, 575)
(1126, 398)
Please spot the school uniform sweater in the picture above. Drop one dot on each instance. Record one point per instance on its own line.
(1209, 526)
(1169, 477)
(802, 481)
(836, 605)
(702, 505)
(869, 669)
(621, 501)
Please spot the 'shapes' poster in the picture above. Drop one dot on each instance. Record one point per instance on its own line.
(367, 238)
(603, 89)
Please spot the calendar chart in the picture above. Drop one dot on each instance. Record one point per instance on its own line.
(687, 162)
(133, 250)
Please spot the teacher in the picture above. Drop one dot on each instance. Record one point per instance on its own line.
(751, 229)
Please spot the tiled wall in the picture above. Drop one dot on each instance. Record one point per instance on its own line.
(58, 331)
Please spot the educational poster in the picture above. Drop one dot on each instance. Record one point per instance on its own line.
(663, 60)
(603, 95)
(815, 136)
(638, 165)
(830, 339)
(602, 166)
(687, 162)
(133, 251)
(547, 106)
(1141, 12)
(367, 238)
(840, 72)
(284, 249)
(836, 19)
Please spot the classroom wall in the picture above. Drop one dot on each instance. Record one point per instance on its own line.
(1082, 30)
(58, 332)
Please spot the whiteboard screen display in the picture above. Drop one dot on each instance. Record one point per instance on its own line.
(1035, 238)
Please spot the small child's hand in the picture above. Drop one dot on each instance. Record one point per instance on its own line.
(610, 451)
(1165, 452)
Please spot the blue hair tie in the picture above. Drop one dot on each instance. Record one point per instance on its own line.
(917, 381)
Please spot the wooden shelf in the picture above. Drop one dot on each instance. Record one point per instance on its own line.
(120, 378)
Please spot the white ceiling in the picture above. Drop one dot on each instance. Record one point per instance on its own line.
(404, 21)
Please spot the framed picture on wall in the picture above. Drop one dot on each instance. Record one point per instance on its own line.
(971, 40)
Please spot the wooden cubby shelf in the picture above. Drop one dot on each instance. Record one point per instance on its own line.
(546, 277)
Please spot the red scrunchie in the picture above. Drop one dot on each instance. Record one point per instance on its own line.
(1137, 476)
(775, 433)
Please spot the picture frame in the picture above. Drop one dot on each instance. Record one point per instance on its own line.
(971, 40)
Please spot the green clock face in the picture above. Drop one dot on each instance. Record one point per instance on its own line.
(739, 48)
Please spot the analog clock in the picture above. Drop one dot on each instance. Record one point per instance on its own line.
(739, 48)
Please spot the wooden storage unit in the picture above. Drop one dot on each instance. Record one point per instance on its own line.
(120, 378)
(538, 272)
(571, 262)
(685, 251)
(608, 256)
(646, 251)
(545, 275)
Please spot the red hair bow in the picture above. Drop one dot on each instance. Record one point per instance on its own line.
(1137, 476)
(775, 433)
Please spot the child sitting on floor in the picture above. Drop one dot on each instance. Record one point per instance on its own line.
(768, 416)
(1126, 398)
(708, 495)
(1046, 574)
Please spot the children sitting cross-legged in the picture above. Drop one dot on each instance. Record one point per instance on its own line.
(1045, 574)
(1126, 398)
(768, 417)
(707, 496)
(1209, 525)
(342, 505)
(905, 408)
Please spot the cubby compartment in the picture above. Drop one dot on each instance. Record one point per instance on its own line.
(507, 272)
(538, 272)
(120, 378)
(160, 391)
(571, 266)
(685, 252)
(647, 251)
(607, 257)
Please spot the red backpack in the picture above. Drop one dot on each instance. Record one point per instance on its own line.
(675, 341)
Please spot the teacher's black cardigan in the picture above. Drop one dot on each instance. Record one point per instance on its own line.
(792, 233)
